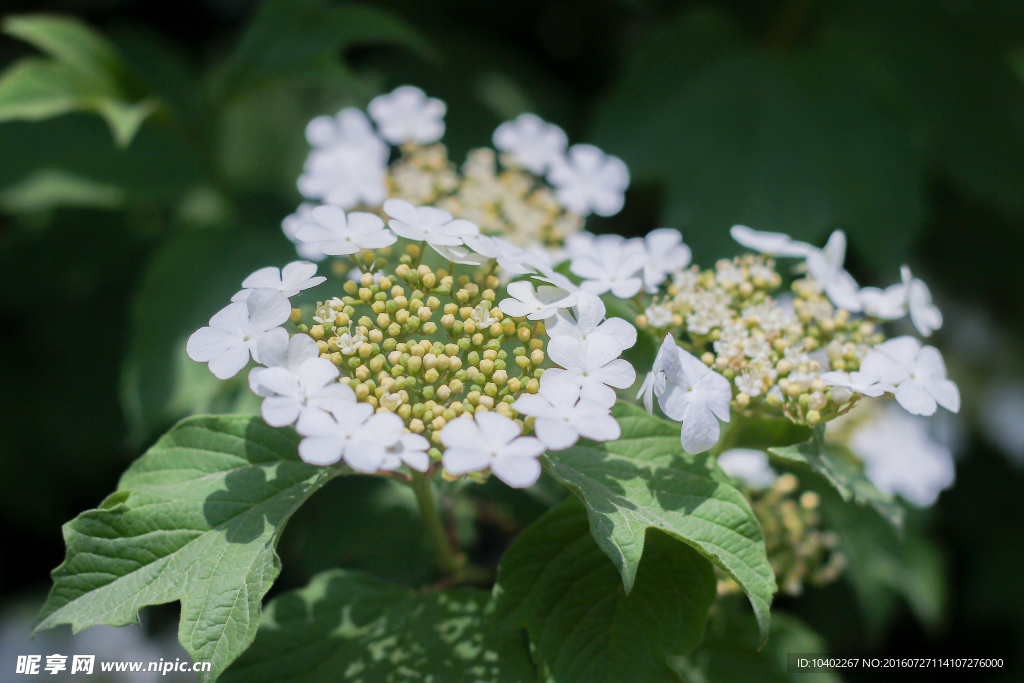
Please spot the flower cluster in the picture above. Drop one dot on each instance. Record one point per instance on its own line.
(413, 359)
(729, 343)
(536, 201)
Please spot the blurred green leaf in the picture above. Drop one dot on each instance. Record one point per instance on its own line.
(644, 480)
(195, 519)
(50, 188)
(86, 74)
(350, 626)
(772, 141)
(298, 40)
(583, 627)
(842, 470)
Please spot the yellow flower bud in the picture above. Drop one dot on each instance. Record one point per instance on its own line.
(337, 359)
(431, 375)
(362, 373)
(424, 313)
(473, 397)
(317, 332)
(401, 301)
(708, 359)
(793, 390)
(415, 364)
(524, 334)
(443, 392)
(296, 316)
(404, 411)
(383, 320)
(378, 307)
(813, 417)
(362, 391)
(537, 357)
(401, 316)
(322, 346)
(514, 384)
(438, 422)
(470, 326)
(477, 339)
(743, 399)
(447, 321)
(365, 295)
(365, 350)
(456, 386)
(536, 344)
(429, 328)
(486, 402)
(500, 377)
(454, 363)
(350, 288)
(416, 425)
(817, 401)
(486, 366)
(533, 386)
(433, 303)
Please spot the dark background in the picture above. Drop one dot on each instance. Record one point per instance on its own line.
(900, 121)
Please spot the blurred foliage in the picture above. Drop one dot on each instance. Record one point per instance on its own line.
(148, 152)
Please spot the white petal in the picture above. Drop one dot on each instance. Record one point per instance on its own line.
(280, 411)
(619, 374)
(364, 456)
(207, 343)
(461, 460)
(517, 472)
(700, 428)
(461, 433)
(620, 330)
(556, 433)
(227, 364)
(320, 450)
(913, 397)
(274, 347)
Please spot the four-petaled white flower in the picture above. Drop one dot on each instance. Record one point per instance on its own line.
(916, 371)
(234, 332)
(562, 417)
(586, 180)
(666, 254)
(593, 366)
(749, 466)
(427, 224)
(348, 165)
(406, 114)
(615, 264)
(482, 316)
(589, 311)
(894, 302)
(856, 382)
(289, 281)
(303, 382)
(539, 305)
(826, 267)
(531, 142)
(335, 233)
(692, 393)
(410, 449)
(290, 226)
(349, 343)
(491, 440)
(771, 243)
(350, 431)
(901, 457)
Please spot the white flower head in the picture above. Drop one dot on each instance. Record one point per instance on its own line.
(586, 320)
(290, 226)
(482, 317)
(406, 114)
(659, 315)
(347, 166)
(427, 224)
(901, 457)
(771, 243)
(289, 281)
(337, 234)
(562, 417)
(615, 265)
(586, 180)
(666, 254)
(858, 382)
(593, 366)
(916, 371)
(911, 295)
(531, 142)
(749, 466)
(411, 449)
(494, 441)
(350, 431)
(535, 305)
(289, 394)
(233, 333)
(349, 343)
(694, 394)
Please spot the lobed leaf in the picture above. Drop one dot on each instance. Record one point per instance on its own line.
(644, 480)
(195, 519)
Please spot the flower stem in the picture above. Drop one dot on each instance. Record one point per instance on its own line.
(447, 559)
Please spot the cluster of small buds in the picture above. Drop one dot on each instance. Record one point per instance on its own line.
(799, 550)
(428, 346)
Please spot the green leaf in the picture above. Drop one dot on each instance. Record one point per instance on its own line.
(350, 626)
(767, 139)
(86, 74)
(50, 188)
(195, 519)
(583, 627)
(644, 480)
(841, 469)
(300, 39)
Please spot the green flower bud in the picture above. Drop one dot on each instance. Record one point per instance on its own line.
(428, 392)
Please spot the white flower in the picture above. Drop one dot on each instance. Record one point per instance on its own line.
(295, 378)
(615, 265)
(289, 281)
(917, 372)
(858, 382)
(562, 417)
(772, 243)
(593, 366)
(482, 316)
(659, 315)
(587, 180)
(539, 305)
(349, 343)
(427, 224)
(589, 311)
(290, 225)
(410, 449)
(666, 254)
(336, 234)
(531, 142)
(895, 301)
(901, 457)
(347, 166)
(580, 244)
(406, 114)
(491, 440)
(478, 249)
(233, 332)
(350, 431)
(749, 466)
(694, 394)
(826, 267)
